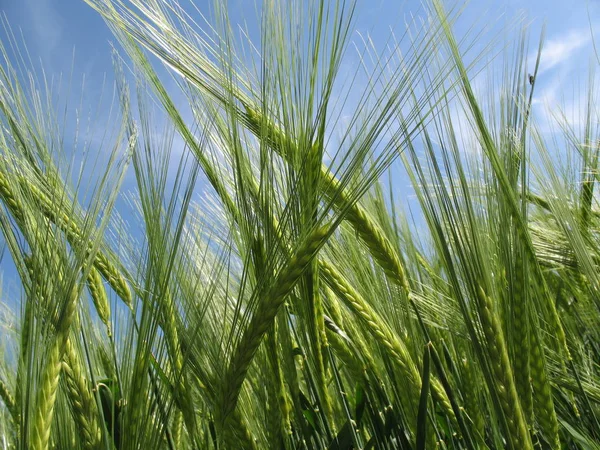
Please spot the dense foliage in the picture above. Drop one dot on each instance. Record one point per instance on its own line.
(236, 264)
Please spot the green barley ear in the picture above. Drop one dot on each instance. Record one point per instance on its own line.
(71, 229)
(503, 382)
(423, 401)
(520, 338)
(45, 399)
(84, 406)
(384, 335)
(345, 353)
(472, 394)
(46, 395)
(114, 277)
(270, 133)
(98, 294)
(378, 244)
(183, 399)
(8, 197)
(543, 403)
(9, 400)
(374, 324)
(282, 410)
(69, 226)
(85, 413)
(381, 249)
(262, 320)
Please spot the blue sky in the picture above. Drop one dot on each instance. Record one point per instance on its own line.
(56, 31)
(65, 35)
(68, 35)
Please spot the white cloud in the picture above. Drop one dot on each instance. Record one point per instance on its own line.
(562, 48)
(550, 92)
(47, 25)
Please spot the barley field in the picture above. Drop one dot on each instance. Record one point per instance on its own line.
(264, 249)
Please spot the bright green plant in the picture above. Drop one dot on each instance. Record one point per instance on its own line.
(264, 288)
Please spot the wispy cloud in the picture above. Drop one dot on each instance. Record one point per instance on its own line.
(562, 48)
(563, 62)
(47, 25)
